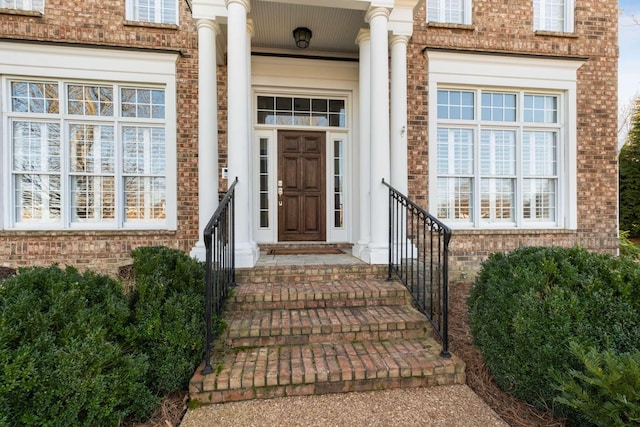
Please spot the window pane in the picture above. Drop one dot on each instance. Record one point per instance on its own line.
(32, 97)
(36, 147)
(159, 11)
(144, 150)
(497, 152)
(92, 198)
(539, 199)
(338, 183)
(455, 151)
(264, 182)
(541, 109)
(539, 153)
(497, 200)
(92, 149)
(35, 5)
(498, 107)
(90, 100)
(455, 105)
(446, 11)
(549, 15)
(144, 103)
(145, 198)
(301, 111)
(454, 198)
(37, 198)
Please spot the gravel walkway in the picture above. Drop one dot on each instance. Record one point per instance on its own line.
(455, 405)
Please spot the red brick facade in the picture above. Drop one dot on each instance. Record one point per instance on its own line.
(98, 22)
(506, 27)
(498, 27)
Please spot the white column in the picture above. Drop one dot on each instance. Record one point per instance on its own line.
(207, 130)
(250, 144)
(364, 42)
(399, 113)
(238, 141)
(378, 249)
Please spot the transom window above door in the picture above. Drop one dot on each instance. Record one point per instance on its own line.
(293, 111)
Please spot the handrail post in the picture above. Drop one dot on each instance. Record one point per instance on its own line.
(445, 296)
(209, 301)
(390, 233)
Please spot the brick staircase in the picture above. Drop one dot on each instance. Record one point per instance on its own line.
(302, 330)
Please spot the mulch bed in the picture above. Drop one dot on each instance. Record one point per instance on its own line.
(515, 412)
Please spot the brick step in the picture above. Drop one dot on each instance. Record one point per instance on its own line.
(320, 368)
(346, 293)
(341, 324)
(311, 273)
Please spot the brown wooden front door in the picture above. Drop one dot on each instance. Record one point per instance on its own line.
(301, 171)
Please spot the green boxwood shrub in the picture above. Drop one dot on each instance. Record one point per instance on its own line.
(62, 360)
(167, 306)
(605, 391)
(526, 306)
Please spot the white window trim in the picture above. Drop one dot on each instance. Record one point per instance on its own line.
(468, 8)
(569, 18)
(46, 62)
(503, 72)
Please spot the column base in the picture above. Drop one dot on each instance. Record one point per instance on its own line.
(199, 251)
(247, 254)
(375, 254)
(358, 248)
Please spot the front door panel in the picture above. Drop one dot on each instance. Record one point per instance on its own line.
(301, 170)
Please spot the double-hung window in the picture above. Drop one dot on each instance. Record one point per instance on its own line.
(553, 15)
(156, 11)
(498, 157)
(33, 5)
(86, 154)
(449, 11)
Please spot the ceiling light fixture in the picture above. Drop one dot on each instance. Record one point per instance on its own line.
(302, 36)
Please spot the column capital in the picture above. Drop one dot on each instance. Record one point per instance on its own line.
(243, 3)
(250, 28)
(363, 35)
(207, 23)
(374, 12)
(404, 39)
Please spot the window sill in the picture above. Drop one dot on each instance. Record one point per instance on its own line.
(511, 231)
(61, 233)
(451, 25)
(21, 12)
(150, 25)
(555, 34)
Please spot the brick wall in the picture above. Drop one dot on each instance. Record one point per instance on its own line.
(498, 26)
(506, 26)
(103, 23)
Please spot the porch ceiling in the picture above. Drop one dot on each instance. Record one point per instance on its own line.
(334, 29)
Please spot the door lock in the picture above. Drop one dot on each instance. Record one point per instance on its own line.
(279, 191)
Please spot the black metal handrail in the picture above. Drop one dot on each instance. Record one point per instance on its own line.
(219, 240)
(419, 256)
